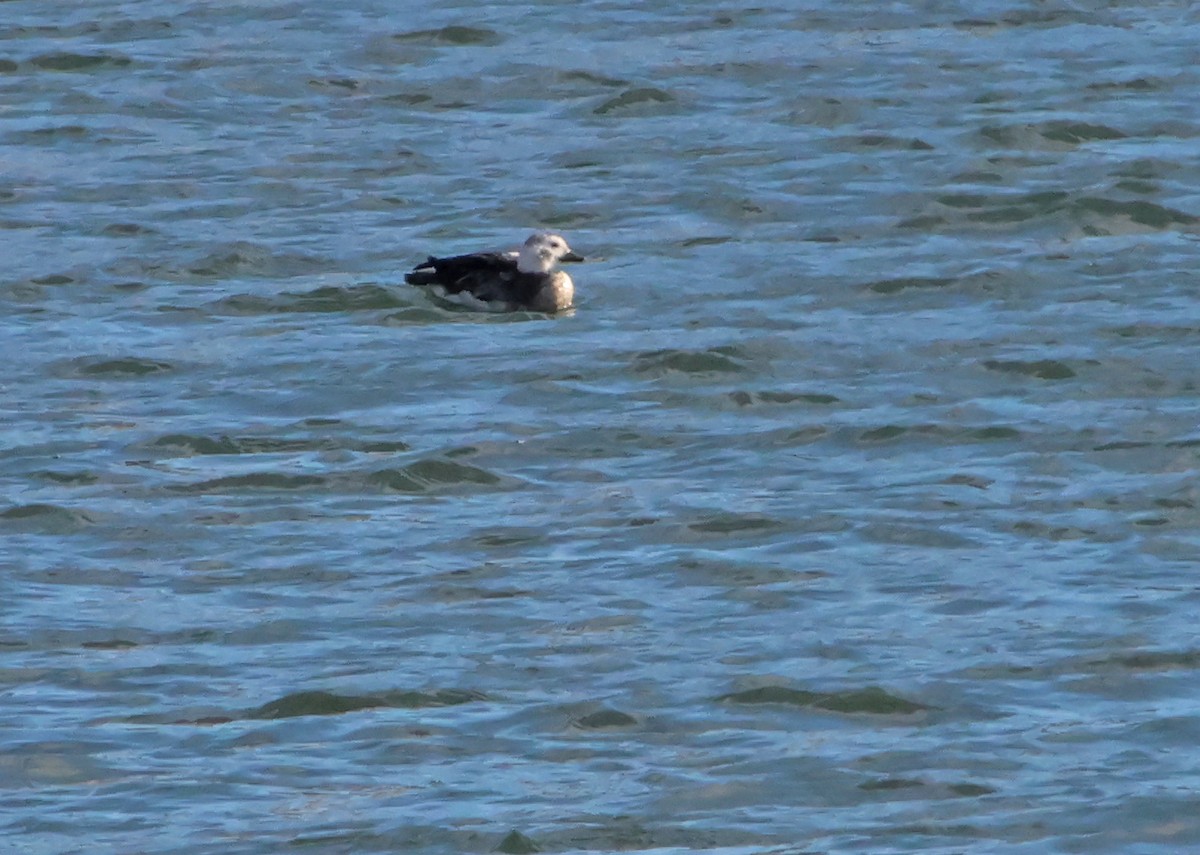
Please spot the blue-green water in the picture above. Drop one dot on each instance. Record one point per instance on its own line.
(855, 508)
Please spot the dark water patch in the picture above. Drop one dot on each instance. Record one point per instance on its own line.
(623, 832)
(604, 719)
(1079, 132)
(433, 474)
(715, 240)
(639, 101)
(922, 222)
(889, 784)
(1138, 211)
(460, 591)
(1134, 84)
(110, 644)
(52, 279)
(247, 260)
(516, 843)
(457, 36)
(871, 700)
(772, 695)
(574, 161)
(883, 433)
(965, 200)
(883, 141)
(1146, 169)
(398, 162)
(79, 61)
(1047, 18)
(583, 76)
(1005, 214)
(966, 479)
(313, 703)
(1055, 134)
(408, 99)
(980, 176)
(963, 789)
(1041, 201)
(938, 433)
(502, 537)
(329, 703)
(994, 433)
(1020, 136)
(997, 208)
(355, 298)
(1150, 660)
(7, 66)
(725, 522)
(79, 479)
(750, 399)
(255, 481)
(1020, 18)
(1036, 529)
(129, 29)
(1138, 187)
(976, 24)
(716, 360)
(346, 84)
(37, 763)
(130, 366)
(49, 135)
(126, 230)
(967, 789)
(725, 573)
(188, 444)
(806, 435)
(820, 398)
(1175, 504)
(933, 536)
(1042, 369)
(211, 720)
(381, 446)
(906, 283)
(45, 518)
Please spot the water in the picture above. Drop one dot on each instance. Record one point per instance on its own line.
(854, 509)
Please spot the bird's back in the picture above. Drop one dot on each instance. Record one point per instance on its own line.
(459, 272)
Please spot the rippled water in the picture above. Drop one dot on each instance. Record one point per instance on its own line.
(854, 509)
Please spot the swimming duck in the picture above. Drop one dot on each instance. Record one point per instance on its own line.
(505, 281)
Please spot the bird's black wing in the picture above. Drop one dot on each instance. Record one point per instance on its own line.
(472, 272)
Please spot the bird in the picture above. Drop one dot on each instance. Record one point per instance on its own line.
(505, 281)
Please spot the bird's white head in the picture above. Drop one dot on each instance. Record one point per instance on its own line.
(542, 251)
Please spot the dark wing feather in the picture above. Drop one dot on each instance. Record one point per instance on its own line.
(473, 272)
(487, 276)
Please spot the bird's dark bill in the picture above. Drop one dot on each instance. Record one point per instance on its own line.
(572, 256)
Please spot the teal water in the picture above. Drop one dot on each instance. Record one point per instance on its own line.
(853, 510)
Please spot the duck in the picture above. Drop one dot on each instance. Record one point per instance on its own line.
(525, 280)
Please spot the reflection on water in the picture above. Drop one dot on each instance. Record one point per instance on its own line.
(854, 508)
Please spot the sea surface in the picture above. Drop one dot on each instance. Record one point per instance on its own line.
(855, 508)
